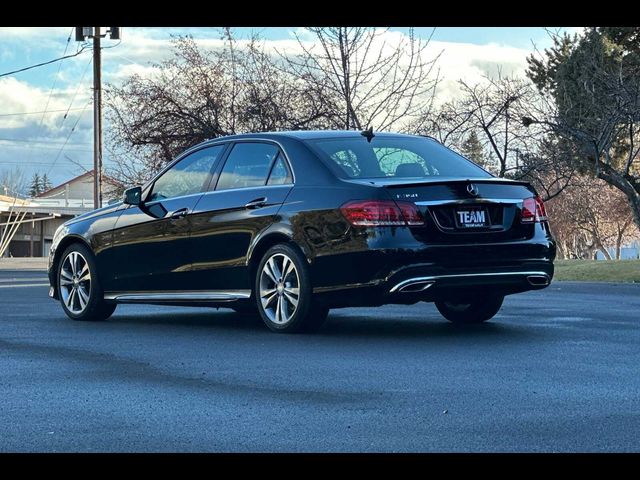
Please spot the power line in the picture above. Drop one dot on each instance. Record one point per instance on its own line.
(44, 163)
(55, 79)
(37, 113)
(112, 46)
(44, 63)
(69, 148)
(49, 142)
(77, 90)
(68, 137)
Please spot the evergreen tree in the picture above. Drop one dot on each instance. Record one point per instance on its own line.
(46, 183)
(592, 84)
(473, 149)
(36, 185)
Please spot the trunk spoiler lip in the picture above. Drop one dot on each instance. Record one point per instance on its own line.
(384, 182)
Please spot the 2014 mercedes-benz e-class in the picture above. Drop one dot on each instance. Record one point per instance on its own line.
(288, 225)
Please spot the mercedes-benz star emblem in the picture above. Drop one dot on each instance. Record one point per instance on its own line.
(472, 189)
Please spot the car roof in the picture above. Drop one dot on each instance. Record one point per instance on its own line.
(303, 135)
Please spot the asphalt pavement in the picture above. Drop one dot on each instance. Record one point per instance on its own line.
(557, 370)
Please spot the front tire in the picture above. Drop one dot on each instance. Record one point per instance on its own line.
(283, 292)
(79, 289)
(477, 310)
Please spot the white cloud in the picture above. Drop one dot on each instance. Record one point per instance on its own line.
(142, 47)
(472, 63)
(26, 33)
(467, 61)
(17, 97)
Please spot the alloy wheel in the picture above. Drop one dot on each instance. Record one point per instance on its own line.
(279, 288)
(75, 282)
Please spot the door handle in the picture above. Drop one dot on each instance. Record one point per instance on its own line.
(181, 213)
(257, 203)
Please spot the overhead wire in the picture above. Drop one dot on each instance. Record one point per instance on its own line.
(83, 49)
(77, 90)
(80, 50)
(37, 113)
(69, 136)
(55, 79)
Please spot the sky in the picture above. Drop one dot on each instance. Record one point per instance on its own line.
(59, 141)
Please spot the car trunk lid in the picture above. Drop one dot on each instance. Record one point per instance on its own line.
(478, 210)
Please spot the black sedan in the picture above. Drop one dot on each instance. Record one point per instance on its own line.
(288, 225)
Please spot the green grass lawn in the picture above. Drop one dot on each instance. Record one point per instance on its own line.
(598, 271)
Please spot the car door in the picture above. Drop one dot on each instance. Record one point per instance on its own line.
(150, 241)
(243, 201)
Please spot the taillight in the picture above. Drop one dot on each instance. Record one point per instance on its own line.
(411, 213)
(376, 213)
(533, 210)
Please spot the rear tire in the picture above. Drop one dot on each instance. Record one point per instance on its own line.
(283, 292)
(79, 289)
(478, 310)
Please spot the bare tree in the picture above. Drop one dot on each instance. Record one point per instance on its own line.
(548, 166)
(13, 182)
(593, 100)
(368, 81)
(448, 124)
(198, 95)
(591, 215)
(493, 109)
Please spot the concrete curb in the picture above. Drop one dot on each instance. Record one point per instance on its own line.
(23, 263)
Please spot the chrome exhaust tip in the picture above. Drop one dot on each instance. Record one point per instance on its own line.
(412, 285)
(415, 287)
(538, 280)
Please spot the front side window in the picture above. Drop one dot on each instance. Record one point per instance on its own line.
(248, 165)
(190, 175)
(401, 157)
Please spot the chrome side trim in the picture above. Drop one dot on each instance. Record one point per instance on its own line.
(348, 286)
(436, 278)
(195, 296)
(213, 143)
(257, 187)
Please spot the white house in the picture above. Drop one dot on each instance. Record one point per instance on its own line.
(27, 225)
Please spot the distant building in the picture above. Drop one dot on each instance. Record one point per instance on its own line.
(42, 215)
(78, 188)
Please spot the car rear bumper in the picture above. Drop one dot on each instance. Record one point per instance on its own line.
(531, 278)
(405, 275)
(416, 283)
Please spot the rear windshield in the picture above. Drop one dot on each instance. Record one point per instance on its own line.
(400, 157)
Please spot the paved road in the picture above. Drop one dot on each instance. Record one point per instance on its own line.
(557, 370)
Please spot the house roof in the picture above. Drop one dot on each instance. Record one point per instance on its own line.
(88, 173)
(11, 200)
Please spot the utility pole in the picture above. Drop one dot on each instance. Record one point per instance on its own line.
(97, 120)
(82, 33)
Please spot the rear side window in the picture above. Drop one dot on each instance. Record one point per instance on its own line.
(248, 165)
(280, 174)
(401, 157)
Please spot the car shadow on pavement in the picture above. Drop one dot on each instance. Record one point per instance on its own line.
(189, 317)
(337, 325)
(360, 326)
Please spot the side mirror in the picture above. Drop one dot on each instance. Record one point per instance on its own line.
(132, 196)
